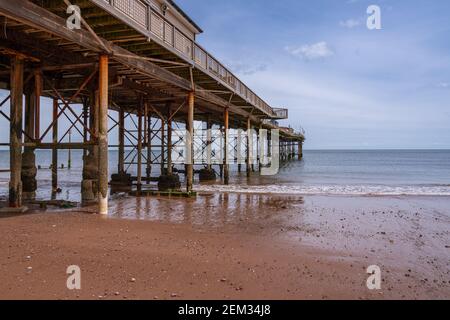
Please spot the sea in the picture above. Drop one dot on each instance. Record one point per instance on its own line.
(321, 172)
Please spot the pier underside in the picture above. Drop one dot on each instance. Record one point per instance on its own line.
(109, 79)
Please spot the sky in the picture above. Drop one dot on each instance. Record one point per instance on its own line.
(349, 87)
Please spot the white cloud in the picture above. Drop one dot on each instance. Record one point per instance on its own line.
(445, 85)
(244, 68)
(350, 23)
(311, 52)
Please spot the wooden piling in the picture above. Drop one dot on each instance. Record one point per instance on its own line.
(103, 135)
(15, 184)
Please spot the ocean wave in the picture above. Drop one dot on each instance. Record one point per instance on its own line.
(331, 190)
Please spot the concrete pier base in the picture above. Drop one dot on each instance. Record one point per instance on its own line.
(207, 175)
(169, 183)
(89, 191)
(28, 175)
(89, 185)
(121, 182)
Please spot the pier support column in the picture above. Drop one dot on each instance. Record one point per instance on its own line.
(139, 145)
(239, 150)
(221, 149)
(226, 167)
(15, 183)
(249, 146)
(103, 135)
(300, 150)
(208, 174)
(121, 165)
(55, 149)
(149, 144)
(258, 149)
(32, 106)
(89, 185)
(169, 141)
(86, 124)
(163, 147)
(208, 144)
(169, 181)
(190, 143)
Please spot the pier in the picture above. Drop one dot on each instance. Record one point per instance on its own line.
(135, 72)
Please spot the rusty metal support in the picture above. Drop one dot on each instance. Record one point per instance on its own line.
(37, 93)
(103, 135)
(55, 149)
(15, 184)
(85, 124)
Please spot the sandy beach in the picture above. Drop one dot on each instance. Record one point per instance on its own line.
(232, 246)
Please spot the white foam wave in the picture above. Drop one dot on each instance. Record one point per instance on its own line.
(361, 190)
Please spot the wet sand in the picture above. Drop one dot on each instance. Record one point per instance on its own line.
(232, 246)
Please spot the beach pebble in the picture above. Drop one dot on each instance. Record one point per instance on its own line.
(133, 280)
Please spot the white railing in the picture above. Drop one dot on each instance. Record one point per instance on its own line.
(144, 16)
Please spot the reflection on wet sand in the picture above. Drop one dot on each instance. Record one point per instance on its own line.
(208, 210)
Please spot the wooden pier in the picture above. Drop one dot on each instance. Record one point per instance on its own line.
(134, 67)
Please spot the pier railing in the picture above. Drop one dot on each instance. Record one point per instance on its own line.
(140, 15)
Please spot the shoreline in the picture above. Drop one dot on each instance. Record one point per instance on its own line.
(227, 246)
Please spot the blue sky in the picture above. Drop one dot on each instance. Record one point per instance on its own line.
(349, 87)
